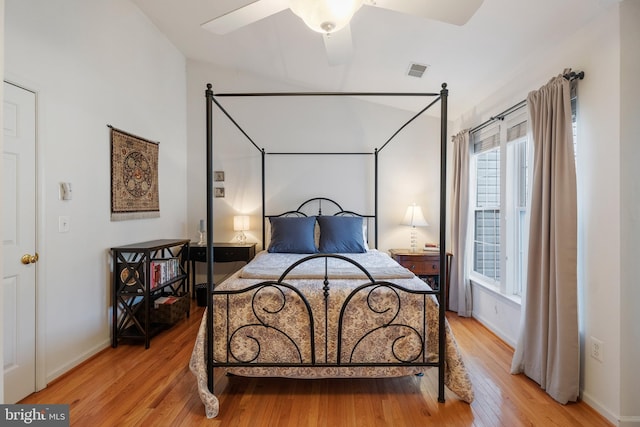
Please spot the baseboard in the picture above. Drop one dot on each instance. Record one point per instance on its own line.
(616, 420)
(493, 328)
(57, 373)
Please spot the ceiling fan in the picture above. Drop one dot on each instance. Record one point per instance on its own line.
(331, 17)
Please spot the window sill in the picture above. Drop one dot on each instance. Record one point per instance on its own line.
(493, 289)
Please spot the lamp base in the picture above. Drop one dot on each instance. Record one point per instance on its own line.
(414, 240)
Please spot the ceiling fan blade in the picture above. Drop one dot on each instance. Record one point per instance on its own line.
(456, 12)
(339, 46)
(245, 15)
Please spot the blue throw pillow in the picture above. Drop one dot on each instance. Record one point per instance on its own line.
(341, 234)
(292, 235)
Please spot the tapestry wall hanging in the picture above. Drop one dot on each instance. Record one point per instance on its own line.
(134, 177)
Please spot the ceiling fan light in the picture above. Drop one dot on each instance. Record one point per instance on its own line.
(325, 16)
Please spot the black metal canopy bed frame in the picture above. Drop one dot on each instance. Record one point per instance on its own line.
(321, 344)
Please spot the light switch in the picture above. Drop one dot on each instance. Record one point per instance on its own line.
(65, 191)
(64, 224)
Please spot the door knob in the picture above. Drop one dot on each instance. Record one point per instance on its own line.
(29, 259)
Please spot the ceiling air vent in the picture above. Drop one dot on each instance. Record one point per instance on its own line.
(417, 70)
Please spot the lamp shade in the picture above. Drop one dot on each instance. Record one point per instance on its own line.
(325, 16)
(414, 217)
(241, 223)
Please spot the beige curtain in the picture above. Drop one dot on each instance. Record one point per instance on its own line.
(548, 346)
(460, 287)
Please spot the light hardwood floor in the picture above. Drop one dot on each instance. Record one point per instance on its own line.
(131, 386)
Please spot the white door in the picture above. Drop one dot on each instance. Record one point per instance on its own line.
(19, 242)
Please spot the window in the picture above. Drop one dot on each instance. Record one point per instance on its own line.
(499, 202)
(518, 193)
(499, 199)
(486, 230)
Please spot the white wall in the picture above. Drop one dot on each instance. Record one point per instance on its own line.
(629, 213)
(408, 166)
(497, 312)
(93, 64)
(1, 166)
(598, 204)
(595, 49)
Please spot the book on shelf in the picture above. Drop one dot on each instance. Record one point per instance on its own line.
(164, 270)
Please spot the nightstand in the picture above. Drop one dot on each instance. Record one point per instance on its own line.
(222, 252)
(426, 265)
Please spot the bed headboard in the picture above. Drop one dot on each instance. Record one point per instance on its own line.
(318, 206)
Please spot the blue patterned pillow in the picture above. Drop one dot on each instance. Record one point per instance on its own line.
(341, 234)
(292, 235)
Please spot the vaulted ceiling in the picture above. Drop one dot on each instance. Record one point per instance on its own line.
(475, 59)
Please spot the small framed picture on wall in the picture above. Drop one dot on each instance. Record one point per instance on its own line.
(218, 176)
(218, 192)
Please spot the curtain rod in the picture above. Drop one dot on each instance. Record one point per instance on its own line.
(499, 116)
(571, 76)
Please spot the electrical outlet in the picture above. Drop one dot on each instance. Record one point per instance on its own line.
(597, 349)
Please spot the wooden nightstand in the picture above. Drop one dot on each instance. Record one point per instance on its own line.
(424, 264)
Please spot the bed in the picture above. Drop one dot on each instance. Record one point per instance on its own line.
(321, 303)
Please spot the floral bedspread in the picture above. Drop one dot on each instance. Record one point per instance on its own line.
(381, 323)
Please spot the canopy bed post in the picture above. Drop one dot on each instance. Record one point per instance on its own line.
(443, 218)
(264, 209)
(375, 197)
(209, 112)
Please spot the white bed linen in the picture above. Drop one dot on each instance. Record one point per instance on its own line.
(271, 265)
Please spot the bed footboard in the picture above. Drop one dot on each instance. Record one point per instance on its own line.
(324, 324)
(325, 328)
(276, 323)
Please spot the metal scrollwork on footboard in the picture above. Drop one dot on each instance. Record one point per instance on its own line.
(268, 331)
(379, 323)
(404, 342)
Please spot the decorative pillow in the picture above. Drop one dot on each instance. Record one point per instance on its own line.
(341, 234)
(316, 234)
(292, 235)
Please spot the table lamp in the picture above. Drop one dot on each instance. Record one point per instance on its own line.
(414, 218)
(241, 224)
